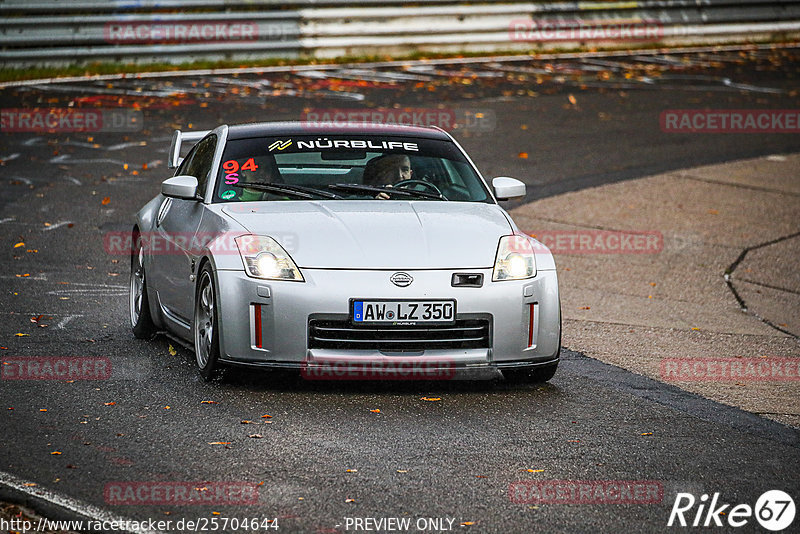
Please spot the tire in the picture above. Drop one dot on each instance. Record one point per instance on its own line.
(535, 375)
(540, 373)
(138, 303)
(206, 325)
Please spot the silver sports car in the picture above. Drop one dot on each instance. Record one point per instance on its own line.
(344, 252)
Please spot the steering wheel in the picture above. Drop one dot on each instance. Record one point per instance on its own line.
(423, 183)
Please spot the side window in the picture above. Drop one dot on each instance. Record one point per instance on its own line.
(198, 162)
(186, 162)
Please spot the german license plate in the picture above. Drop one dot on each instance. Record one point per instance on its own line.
(404, 311)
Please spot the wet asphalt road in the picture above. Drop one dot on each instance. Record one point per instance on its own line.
(325, 454)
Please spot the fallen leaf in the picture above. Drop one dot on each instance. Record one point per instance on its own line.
(572, 100)
(220, 442)
(535, 470)
(467, 523)
(105, 200)
(19, 334)
(255, 436)
(246, 422)
(349, 500)
(214, 513)
(208, 402)
(431, 399)
(402, 470)
(522, 155)
(172, 351)
(266, 416)
(351, 471)
(20, 244)
(167, 408)
(375, 411)
(42, 409)
(585, 308)
(55, 453)
(647, 433)
(109, 403)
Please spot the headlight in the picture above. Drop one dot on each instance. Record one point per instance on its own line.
(515, 259)
(264, 258)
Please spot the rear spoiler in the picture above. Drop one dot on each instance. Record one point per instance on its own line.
(175, 146)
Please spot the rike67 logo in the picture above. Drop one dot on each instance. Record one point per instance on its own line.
(774, 511)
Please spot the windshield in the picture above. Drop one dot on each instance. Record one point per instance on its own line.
(346, 167)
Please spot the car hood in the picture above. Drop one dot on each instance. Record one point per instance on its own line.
(364, 234)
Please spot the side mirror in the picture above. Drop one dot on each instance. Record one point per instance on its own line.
(181, 186)
(506, 188)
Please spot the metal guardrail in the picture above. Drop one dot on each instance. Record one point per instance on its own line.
(52, 32)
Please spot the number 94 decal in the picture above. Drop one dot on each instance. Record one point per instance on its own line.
(231, 168)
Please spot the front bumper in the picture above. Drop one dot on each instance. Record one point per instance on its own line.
(266, 322)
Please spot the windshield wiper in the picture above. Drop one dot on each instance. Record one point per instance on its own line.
(299, 191)
(388, 190)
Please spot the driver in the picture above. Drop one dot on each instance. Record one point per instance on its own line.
(267, 172)
(387, 170)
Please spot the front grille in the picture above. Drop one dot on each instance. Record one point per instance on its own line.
(342, 334)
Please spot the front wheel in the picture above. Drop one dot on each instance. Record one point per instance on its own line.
(538, 374)
(534, 375)
(141, 321)
(206, 325)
